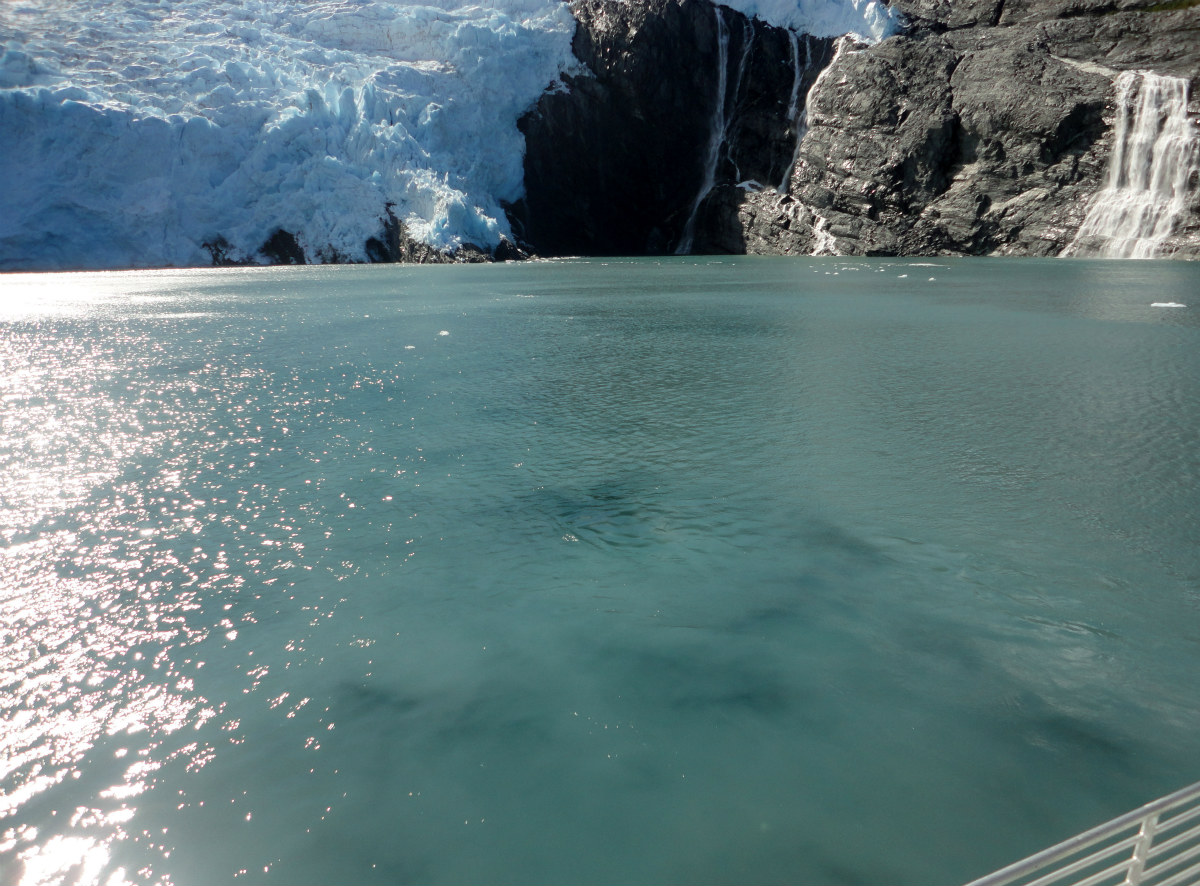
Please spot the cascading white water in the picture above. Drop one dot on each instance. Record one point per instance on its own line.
(802, 117)
(824, 243)
(716, 135)
(1155, 157)
(747, 46)
(796, 119)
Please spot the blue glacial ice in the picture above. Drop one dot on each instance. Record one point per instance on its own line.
(131, 134)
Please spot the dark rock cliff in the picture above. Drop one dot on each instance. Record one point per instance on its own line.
(984, 129)
(616, 162)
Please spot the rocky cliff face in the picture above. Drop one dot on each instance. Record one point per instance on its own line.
(985, 128)
(680, 96)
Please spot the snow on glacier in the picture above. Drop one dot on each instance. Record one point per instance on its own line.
(869, 20)
(132, 134)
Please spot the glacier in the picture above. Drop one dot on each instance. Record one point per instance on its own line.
(867, 20)
(151, 133)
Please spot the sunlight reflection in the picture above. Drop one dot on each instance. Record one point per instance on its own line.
(44, 297)
(62, 860)
(96, 585)
(28, 296)
(123, 512)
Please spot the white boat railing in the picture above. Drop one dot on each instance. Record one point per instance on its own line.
(1156, 845)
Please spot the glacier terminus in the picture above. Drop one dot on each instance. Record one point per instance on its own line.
(155, 134)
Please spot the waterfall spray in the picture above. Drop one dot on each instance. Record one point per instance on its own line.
(1155, 158)
(824, 243)
(796, 117)
(802, 116)
(716, 135)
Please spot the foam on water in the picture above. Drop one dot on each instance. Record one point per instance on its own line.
(760, 570)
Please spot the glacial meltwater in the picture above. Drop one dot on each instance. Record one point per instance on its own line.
(807, 571)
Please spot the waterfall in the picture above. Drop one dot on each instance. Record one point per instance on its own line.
(747, 46)
(1155, 156)
(824, 243)
(716, 134)
(797, 119)
(802, 117)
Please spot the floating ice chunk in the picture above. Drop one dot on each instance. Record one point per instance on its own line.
(1167, 304)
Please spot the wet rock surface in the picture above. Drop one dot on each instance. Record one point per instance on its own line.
(615, 162)
(984, 129)
(913, 150)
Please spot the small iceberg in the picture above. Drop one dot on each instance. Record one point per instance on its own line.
(1167, 304)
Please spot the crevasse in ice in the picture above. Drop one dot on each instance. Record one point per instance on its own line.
(133, 133)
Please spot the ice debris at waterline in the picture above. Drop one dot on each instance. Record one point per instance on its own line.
(133, 134)
(1155, 157)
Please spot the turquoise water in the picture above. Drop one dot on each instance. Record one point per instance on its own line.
(757, 570)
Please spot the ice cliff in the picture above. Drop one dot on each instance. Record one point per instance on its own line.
(154, 133)
(133, 134)
(151, 134)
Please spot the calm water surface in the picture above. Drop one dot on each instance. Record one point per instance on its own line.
(774, 571)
